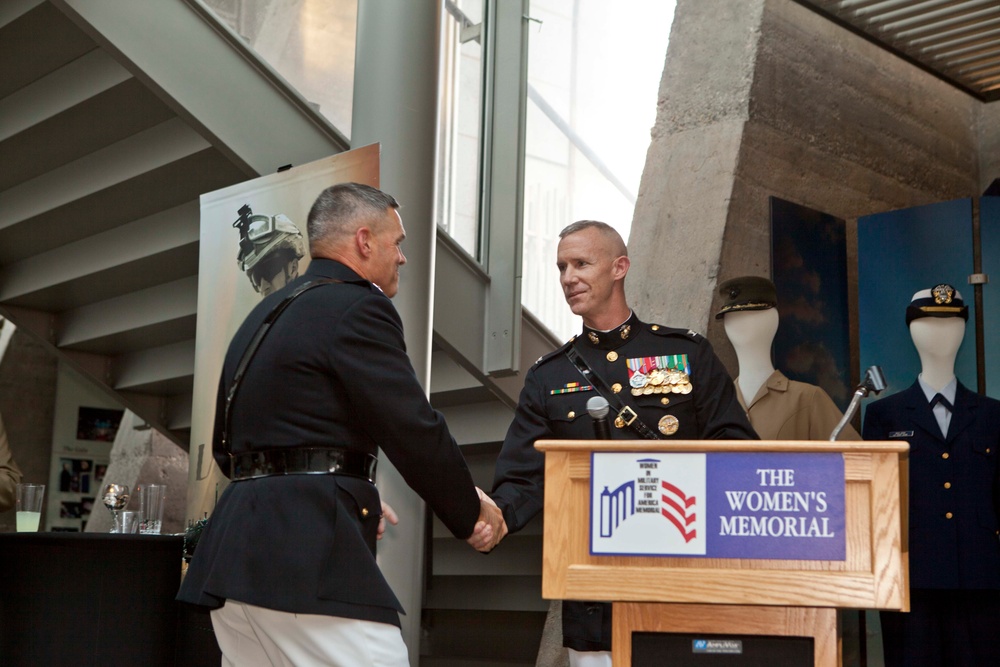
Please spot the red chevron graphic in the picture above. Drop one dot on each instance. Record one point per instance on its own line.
(682, 511)
(688, 502)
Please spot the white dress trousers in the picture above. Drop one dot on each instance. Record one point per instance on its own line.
(252, 636)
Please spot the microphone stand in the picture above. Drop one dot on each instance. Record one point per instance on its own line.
(873, 384)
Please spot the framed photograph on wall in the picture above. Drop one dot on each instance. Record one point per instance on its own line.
(98, 424)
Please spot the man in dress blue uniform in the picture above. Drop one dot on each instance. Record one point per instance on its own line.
(668, 382)
(954, 504)
(287, 560)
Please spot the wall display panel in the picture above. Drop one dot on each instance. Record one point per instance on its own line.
(900, 253)
(242, 228)
(809, 270)
(989, 235)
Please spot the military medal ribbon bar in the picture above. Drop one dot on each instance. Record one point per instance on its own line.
(571, 388)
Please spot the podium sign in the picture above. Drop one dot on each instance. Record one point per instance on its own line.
(735, 537)
(718, 505)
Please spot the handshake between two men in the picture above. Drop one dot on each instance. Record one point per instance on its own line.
(490, 528)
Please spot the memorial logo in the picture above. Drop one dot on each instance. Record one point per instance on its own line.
(641, 505)
(721, 505)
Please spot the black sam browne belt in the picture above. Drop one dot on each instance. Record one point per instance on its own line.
(302, 461)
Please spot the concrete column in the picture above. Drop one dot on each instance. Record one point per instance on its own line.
(989, 144)
(763, 98)
(395, 103)
(683, 202)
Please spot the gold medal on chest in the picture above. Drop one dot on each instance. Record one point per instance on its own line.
(668, 425)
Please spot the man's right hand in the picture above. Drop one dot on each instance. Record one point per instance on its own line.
(490, 528)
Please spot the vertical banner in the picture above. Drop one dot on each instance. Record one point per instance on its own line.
(989, 236)
(900, 253)
(809, 271)
(253, 238)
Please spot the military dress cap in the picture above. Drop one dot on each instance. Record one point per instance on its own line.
(746, 293)
(939, 301)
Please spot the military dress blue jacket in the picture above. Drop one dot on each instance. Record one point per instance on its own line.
(954, 488)
(332, 371)
(552, 407)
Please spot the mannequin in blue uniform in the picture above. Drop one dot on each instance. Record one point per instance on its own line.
(954, 504)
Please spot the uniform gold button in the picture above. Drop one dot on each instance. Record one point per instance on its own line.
(364, 511)
(655, 327)
(665, 401)
(612, 355)
(947, 515)
(571, 415)
(987, 450)
(616, 387)
(619, 422)
(945, 455)
(947, 485)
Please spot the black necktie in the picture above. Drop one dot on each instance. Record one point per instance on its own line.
(938, 398)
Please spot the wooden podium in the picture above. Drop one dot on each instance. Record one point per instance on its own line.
(795, 598)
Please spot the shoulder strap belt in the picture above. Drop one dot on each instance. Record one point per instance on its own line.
(625, 413)
(255, 342)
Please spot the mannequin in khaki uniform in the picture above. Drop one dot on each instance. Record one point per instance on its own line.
(780, 409)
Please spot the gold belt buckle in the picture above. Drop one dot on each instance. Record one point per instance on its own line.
(627, 415)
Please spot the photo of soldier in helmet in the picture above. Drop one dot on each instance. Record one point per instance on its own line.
(270, 249)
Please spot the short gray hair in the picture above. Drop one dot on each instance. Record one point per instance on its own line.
(606, 230)
(341, 208)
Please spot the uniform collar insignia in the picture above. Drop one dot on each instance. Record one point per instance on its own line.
(609, 340)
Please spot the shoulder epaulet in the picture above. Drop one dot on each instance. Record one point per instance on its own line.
(661, 330)
(559, 350)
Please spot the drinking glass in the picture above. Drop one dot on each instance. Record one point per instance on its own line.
(151, 502)
(130, 521)
(115, 499)
(29, 507)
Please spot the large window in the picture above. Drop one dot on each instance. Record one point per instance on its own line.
(459, 158)
(594, 69)
(310, 43)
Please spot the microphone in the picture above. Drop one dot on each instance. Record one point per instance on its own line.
(873, 383)
(598, 408)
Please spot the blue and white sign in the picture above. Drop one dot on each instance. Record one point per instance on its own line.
(718, 505)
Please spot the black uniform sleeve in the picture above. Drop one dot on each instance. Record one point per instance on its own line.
(720, 416)
(518, 483)
(369, 355)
